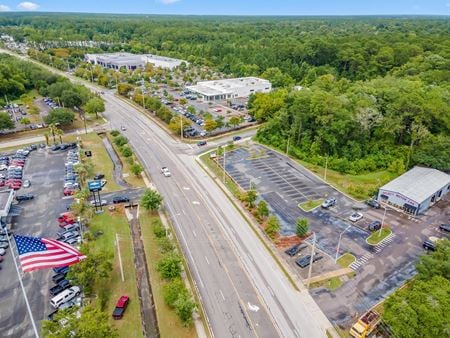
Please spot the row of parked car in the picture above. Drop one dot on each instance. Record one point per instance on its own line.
(71, 183)
(64, 294)
(49, 102)
(11, 169)
(304, 260)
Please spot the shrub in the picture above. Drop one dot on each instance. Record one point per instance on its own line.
(172, 291)
(120, 140)
(158, 229)
(170, 266)
(136, 169)
(114, 133)
(126, 151)
(165, 245)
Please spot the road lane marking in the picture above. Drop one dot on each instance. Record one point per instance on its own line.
(221, 293)
(195, 235)
(196, 202)
(207, 261)
(186, 188)
(251, 307)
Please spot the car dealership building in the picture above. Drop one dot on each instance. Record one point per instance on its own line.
(416, 190)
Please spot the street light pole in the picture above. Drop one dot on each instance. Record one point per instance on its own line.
(339, 243)
(382, 222)
(311, 260)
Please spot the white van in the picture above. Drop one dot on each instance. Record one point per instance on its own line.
(65, 296)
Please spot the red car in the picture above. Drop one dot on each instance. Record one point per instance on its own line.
(68, 192)
(2, 183)
(121, 306)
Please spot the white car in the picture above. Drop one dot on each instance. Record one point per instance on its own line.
(355, 217)
(102, 202)
(2, 252)
(123, 128)
(26, 183)
(165, 171)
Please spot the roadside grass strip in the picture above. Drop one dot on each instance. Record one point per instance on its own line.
(376, 238)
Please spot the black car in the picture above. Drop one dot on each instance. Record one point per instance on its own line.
(292, 251)
(429, 245)
(55, 147)
(444, 227)
(62, 269)
(52, 314)
(58, 277)
(99, 176)
(120, 199)
(236, 138)
(25, 197)
(59, 288)
(304, 261)
(373, 203)
(201, 143)
(375, 225)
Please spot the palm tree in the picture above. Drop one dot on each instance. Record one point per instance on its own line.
(46, 135)
(60, 133)
(81, 171)
(52, 128)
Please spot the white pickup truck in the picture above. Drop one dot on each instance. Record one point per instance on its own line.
(165, 171)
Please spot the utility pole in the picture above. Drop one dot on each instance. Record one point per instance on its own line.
(312, 258)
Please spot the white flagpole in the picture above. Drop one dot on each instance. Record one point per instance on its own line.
(23, 289)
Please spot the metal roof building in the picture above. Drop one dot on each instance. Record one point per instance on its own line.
(416, 190)
(131, 61)
(230, 88)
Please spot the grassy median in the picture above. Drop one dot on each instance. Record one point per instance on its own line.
(376, 237)
(112, 223)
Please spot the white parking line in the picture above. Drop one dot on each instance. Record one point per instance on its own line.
(207, 261)
(221, 293)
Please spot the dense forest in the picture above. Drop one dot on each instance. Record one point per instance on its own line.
(375, 89)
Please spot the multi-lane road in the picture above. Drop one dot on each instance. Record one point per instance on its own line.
(242, 289)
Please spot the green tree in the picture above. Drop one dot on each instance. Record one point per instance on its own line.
(136, 169)
(173, 290)
(250, 197)
(436, 263)
(91, 323)
(234, 121)
(301, 227)
(95, 106)
(272, 226)
(5, 121)
(184, 307)
(183, 101)
(170, 266)
(124, 88)
(120, 140)
(262, 209)
(71, 98)
(126, 151)
(25, 121)
(60, 116)
(210, 125)
(177, 122)
(151, 200)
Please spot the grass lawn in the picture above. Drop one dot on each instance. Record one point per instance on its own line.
(126, 167)
(360, 187)
(310, 205)
(100, 159)
(110, 224)
(218, 172)
(168, 322)
(331, 284)
(346, 259)
(376, 238)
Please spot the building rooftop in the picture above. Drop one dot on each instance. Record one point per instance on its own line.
(224, 86)
(123, 58)
(419, 183)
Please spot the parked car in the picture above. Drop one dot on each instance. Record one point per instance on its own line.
(430, 243)
(61, 269)
(60, 287)
(444, 227)
(355, 217)
(3, 238)
(201, 143)
(304, 261)
(4, 245)
(165, 171)
(26, 183)
(65, 296)
(375, 225)
(99, 176)
(329, 202)
(120, 308)
(236, 138)
(120, 199)
(373, 203)
(72, 241)
(24, 197)
(102, 202)
(58, 277)
(292, 251)
(68, 192)
(51, 315)
(2, 252)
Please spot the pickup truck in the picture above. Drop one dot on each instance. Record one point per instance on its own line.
(365, 324)
(120, 308)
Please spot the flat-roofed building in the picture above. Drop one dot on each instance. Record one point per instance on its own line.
(131, 61)
(230, 88)
(416, 190)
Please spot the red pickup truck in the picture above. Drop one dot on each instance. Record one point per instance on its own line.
(121, 305)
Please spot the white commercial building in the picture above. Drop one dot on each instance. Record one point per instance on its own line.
(416, 190)
(131, 61)
(230, 88)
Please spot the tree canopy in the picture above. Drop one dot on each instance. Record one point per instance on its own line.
(60, 116)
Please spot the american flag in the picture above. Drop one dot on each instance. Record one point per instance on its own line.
(41, 253)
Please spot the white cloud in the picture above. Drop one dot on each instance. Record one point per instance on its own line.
(168, 2)
(28, 6)
(4, 8)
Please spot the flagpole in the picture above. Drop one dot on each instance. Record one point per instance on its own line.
(23, 288)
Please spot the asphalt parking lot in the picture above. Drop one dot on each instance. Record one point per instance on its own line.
(380, 269)
(38, 218)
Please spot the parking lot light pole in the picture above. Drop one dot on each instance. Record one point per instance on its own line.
(382, 222)
(339, 243)
(312, 258)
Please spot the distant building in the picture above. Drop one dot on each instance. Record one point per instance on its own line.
(230, 88)
(416, 190)
(131, 61)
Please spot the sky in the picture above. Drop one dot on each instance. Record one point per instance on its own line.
(236, 7)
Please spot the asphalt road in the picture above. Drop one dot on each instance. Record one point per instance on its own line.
(243, 291)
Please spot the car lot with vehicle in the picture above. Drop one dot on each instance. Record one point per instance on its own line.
(39, 209)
